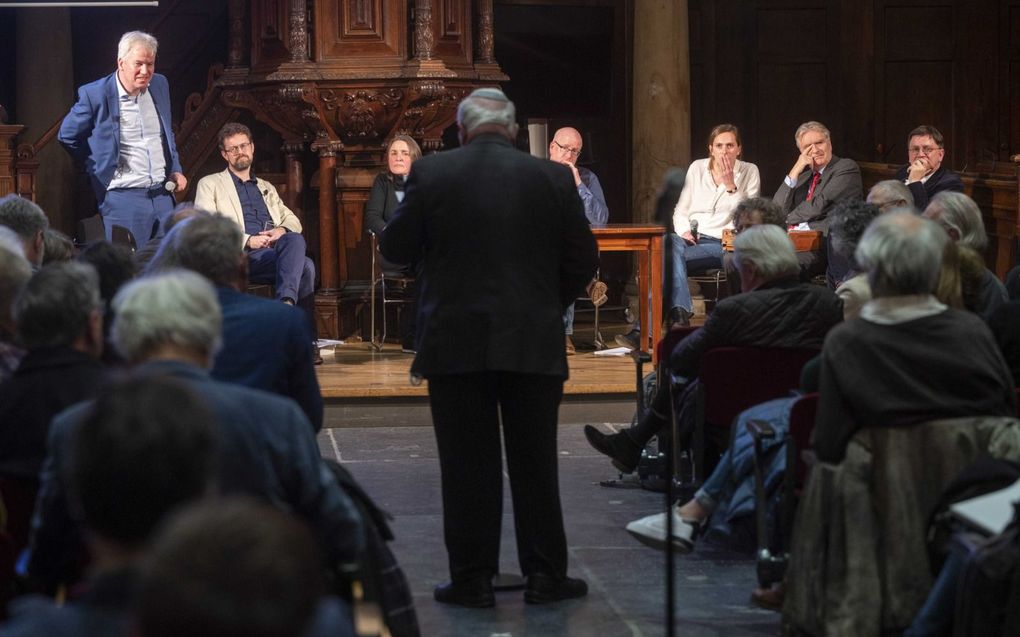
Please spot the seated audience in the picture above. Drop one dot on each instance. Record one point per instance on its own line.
(386, 194)
(960, 217)
(144, 254)
(266, 345)
(1005, 325)
(891, 194)
(59, 321)
(57, 247)
(29, 222)
(14, 274)
(712, 189)
(817, 180)
(143, 449)
(924, 173)
(236, 568)
(115, 266)
(849, 221)
(169, 325)
(776, 311)
(909, 358)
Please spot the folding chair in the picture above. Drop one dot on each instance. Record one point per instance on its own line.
(385, 282)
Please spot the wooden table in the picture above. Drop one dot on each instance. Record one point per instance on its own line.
(646, 239)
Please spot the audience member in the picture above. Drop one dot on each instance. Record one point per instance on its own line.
(386, 194)
(924, 173)
(15, 272)
(891, 194)
(60, 323)
(169, 325)
(960, 217)
(236, 569)
(776, 311)
(209, 245)
(565, 148)
(909, 358)
(712, 189)
(29, 222)
(115, 267)
(145, 253)
(817, 180)
(143, 449)
(1005, 325)
(849, 220)
(57, 247)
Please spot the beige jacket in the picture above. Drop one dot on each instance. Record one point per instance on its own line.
(217, 193)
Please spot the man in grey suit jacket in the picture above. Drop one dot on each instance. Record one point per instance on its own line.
(817, 180)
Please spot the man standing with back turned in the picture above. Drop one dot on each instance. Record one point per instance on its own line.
(120, 130)
(505, 248)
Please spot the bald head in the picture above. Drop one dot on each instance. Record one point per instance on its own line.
(565, 145)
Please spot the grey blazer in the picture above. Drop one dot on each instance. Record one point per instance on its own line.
(841, 179)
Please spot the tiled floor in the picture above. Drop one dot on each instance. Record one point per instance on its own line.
(398, 467)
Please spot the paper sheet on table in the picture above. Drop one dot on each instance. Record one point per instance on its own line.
(614, 351)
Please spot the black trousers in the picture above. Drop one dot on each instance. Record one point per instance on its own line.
(466, 412)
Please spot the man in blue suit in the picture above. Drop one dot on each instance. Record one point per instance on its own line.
(119, 129)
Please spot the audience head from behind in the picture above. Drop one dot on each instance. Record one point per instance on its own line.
(14, 274)
(113, 263)
(961, 219)
(233, 568)
(60, 307)
(757, 211)
(902, 254)
(891, 194)
(57, 247)
(29, 222)
(209, 245)
(762, 254)
(486, 110)
(173, 315)
(848, 221)
(669, 192)
(144, 448)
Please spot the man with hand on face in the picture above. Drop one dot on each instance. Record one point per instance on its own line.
(565, 148)
(119, 129)
(924, 173)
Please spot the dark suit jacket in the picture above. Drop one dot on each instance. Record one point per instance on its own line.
(266, 450)
(506, 248)
(91, 130)
(382, 203)
(267, 345)
(841, 179)
(941, 179)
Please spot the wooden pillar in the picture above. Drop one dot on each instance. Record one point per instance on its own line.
(298, 19)
(424, 38)
(295, 177)
(662, 98)
(328, 238)
(237, 48)
(8, 134)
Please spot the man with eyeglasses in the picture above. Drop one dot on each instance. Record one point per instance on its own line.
(271, 233)
(565, 148)
(924, 173)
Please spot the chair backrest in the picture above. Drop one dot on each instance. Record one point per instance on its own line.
(669, 342)
(802, 425)
(736, 378)
(119, 235)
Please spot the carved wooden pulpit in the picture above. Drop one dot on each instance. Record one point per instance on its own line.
(340, 77)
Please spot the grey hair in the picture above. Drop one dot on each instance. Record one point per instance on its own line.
(22, 216)
(207, 244)
(14, 274)
(957, 211)
(176, 307)
(9, 239)
(902, 254)
(769, 248)
(131, 39)
(487, 106)
(54, 306)
(891, 191)
(808, 126)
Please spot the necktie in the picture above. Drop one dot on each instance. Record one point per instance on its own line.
(817, 177)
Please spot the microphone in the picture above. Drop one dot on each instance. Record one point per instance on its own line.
(694, 229)
(170, 186)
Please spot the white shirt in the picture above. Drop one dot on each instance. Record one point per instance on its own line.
(141, 163)
(892, 310)
(708, 202)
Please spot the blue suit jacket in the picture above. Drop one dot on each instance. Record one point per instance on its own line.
(266, 450)
(268, 345)
(91, 130)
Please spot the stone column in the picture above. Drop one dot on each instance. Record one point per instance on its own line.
(662, 98)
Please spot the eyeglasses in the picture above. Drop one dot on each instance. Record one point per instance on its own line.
(923, 150)
(573, 152)
(240, 148)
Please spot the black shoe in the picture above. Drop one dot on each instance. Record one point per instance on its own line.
(623, 451)
(316, 356)
(631, 339)
(473, 593)
(543, 589)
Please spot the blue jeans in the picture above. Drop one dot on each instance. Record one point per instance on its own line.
(285, 266)
(568, 320)
(713, 489)
(707, 253)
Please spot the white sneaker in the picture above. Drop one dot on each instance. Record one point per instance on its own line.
(651, 531)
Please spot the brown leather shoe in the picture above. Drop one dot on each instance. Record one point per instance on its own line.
(571, 350)
(769, 598)
(316, 356)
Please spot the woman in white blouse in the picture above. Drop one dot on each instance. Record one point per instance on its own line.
(712, 189)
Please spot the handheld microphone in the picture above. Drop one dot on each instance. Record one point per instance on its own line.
(694, 229)
(170, 186)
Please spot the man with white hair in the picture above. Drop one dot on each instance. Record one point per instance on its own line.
(890, 194)
(776, 310)
(28, 221)
(168, 325)
(961, 218)
(505, 247)
(14, 274)
(119, 130)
